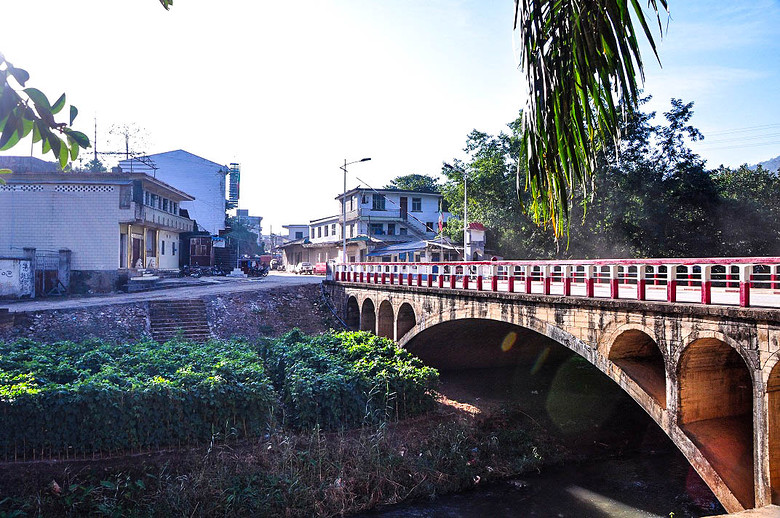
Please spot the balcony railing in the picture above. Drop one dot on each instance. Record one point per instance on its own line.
(161, 219)
(746, 281)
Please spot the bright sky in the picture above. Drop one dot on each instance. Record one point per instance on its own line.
(291, 89)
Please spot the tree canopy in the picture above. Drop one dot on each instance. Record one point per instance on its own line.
(415, 182)
(656, 200)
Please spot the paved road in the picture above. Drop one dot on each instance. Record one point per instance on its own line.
(209, 286)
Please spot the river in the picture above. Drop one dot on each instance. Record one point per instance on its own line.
(620, 464)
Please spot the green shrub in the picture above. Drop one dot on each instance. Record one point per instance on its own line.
(71, 398)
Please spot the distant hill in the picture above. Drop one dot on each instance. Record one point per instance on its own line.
(773, 164)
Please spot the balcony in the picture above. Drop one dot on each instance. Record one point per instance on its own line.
(160, 219)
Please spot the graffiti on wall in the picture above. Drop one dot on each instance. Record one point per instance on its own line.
(16, 278)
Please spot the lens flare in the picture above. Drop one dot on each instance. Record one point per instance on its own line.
(509, 341)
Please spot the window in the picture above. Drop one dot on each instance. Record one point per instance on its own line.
(326, 230)
(391, 229)
(402, 231)
(162, 247)
(146, 197)
(176, 208)
(165, 204)
(429, 226)
(386, 258)
(416, 204)
(299, 235)
(350, 202)
(365, 200)
(378, 202)
(173, 248)
(352, 230)
(376, 229)
(319, 231)
(125, 196)
(333, 229)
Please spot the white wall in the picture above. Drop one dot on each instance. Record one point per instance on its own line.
(169, 259)
(82, 218)
(16, 278)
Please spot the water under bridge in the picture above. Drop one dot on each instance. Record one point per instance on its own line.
(694, 342)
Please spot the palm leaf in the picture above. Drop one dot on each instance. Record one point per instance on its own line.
(582, 63)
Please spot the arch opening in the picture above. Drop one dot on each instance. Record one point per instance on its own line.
(386, 320)
(368, 317)
(773, 417)
(353, 314)
(406, 319)
(716, 412)
(637, 354)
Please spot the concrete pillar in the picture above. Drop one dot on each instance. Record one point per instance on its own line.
(29, 254)
(614, 281)
(671, 283)
(465, 277)
(745, 275)
(641, 274)
(566, 272)
(494, 278)
(63, 269)
(510, 279)
(528, 272)
(706, 283)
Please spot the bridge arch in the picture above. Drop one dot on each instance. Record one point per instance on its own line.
(406, 320)
(386, 320)
(368, 316)
(353, 314)
(635, 350)
(715, 411)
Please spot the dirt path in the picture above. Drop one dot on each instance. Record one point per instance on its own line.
(207, 287)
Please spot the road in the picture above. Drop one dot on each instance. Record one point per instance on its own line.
(207, 287)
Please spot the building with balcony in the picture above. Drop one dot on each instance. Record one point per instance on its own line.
(201, 178)
(374, 219)
(111, 223)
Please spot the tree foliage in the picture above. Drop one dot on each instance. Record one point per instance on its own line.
(26, 110)
(415, 182)
(582, 62)
(657, 200)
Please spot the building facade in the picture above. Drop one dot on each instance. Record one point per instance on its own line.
(201, 178)
(110, 223)
(374, 219)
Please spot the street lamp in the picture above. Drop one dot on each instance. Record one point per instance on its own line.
(465, 204)
(344, 208)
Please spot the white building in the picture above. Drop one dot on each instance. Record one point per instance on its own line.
(109, 222)
(295, 232)
(374, 219)
(201, 178)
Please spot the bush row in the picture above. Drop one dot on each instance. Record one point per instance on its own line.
(80, 398)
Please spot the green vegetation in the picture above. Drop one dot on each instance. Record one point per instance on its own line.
(76, 400)
(655, 198)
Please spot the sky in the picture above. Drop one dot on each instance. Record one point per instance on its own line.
(290, 90)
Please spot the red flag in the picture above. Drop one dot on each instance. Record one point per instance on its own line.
(441, 222)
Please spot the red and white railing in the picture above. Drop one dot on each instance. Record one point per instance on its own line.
(743, 281)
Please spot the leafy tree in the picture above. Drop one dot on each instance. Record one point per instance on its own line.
(25, 110)
(93, 166)
(245, 239)
(415, 182)
(581, 59)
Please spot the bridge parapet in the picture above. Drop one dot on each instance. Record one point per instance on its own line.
(740, 281)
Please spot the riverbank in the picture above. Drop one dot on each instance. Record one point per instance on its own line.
(305, 474)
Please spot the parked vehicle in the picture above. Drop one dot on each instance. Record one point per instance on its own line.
(304, 268)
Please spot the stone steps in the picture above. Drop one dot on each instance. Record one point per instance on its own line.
(185, 318)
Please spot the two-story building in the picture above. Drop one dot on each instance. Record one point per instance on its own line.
(109, 223)
(199, 177)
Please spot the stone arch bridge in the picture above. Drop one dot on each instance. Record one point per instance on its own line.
(694, 342)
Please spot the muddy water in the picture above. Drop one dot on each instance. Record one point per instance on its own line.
(620, 463)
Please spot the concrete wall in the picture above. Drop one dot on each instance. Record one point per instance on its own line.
(81, 218)
(16, 278)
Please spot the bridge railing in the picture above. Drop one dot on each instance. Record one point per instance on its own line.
(743, 281)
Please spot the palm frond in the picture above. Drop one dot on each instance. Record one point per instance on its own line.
(582, 63)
